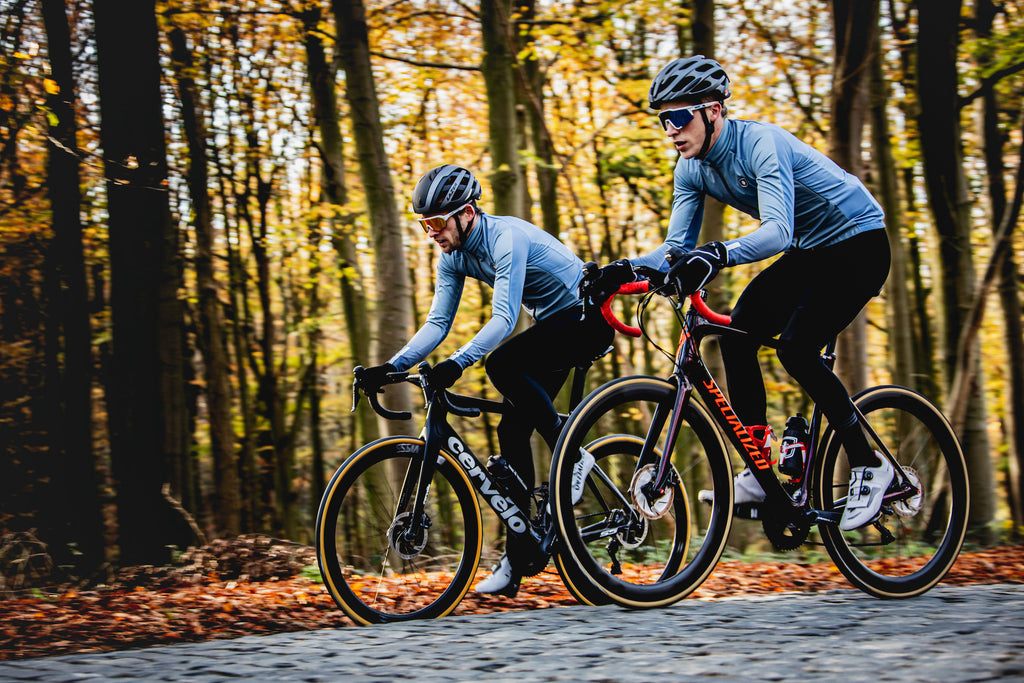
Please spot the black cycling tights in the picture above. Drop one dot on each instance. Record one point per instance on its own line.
(807, 298)
(530, 368)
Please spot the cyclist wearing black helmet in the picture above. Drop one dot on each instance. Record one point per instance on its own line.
(835, 257)
(528, 268)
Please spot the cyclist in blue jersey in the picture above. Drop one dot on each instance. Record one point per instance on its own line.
(528, 268)
(835, 257)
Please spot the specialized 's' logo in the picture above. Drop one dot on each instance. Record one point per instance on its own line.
(503, 506)
(755, 453)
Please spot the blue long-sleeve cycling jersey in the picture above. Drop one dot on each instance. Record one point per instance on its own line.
(802, 198)
(527, 268)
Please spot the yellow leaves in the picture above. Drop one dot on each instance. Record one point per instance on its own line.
(51, 86)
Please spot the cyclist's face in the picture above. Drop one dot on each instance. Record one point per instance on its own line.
(448, 237)
(690, 138)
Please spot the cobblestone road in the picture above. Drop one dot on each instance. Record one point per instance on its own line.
(950, 634)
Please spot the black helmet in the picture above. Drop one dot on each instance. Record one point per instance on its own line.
(689, 78)
(444, 188)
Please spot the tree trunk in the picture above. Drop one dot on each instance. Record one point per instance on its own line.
(543, 148)
(939, 128)
(76, 505)
(901, 337)
(391, 276)
(271, 403)
(146, 333)
(210, 323)
(322, 75)
(855, 26)
(239, 321)
(499, 80)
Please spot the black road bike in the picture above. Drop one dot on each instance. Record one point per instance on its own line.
(399, 532)
(685, 423)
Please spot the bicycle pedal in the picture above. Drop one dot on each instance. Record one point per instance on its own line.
(747, 510)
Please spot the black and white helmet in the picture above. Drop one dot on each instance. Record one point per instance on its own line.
(444, 188)
(689, 78)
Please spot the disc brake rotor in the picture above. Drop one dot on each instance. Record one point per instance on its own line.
(651, 509)
(402, 546)
(908, 507)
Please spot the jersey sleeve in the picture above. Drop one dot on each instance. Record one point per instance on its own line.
(511, 249)
(445, 304)
(772, 164)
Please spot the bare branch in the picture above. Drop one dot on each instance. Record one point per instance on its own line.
(989, 82)
(431, 65)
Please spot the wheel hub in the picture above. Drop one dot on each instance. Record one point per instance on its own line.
(908, 507)
(651, 509)
(407, 548)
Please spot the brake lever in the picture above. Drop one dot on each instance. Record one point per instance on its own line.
(356, 371)
(590, 272)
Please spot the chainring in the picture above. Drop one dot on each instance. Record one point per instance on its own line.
(785, 535)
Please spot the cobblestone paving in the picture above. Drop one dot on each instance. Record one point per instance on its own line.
(950, 634)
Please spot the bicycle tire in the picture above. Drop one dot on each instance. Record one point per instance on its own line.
(576, 581)
(694, 544)
(357, 542)
(927, 533)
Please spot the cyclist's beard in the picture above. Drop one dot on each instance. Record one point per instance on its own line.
(709, 131)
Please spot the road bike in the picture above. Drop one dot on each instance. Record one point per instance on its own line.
(399, 532)
(685, 423)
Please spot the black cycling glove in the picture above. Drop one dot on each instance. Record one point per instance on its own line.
(444, 374)
(375, 376)
(609, 279)
(693, 270)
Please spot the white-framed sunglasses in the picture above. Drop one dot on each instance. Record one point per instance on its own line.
(437, 223)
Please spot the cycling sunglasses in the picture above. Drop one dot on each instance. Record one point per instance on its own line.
(437, 223)
(681, 116)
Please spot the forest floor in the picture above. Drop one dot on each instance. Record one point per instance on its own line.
(242, 589)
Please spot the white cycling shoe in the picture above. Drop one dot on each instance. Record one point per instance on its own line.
(745, 489)
(580, 471)
(502, 580)
(867, 486)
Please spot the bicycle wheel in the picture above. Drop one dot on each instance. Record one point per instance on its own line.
(614, 452)
(915, 541)
(640, 553)
(371, 571)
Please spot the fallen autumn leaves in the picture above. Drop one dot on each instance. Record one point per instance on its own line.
(93, 621)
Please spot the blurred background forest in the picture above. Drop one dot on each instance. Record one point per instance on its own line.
(205, 224)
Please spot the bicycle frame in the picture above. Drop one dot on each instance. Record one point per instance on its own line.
(439, 435)
(691, 374)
